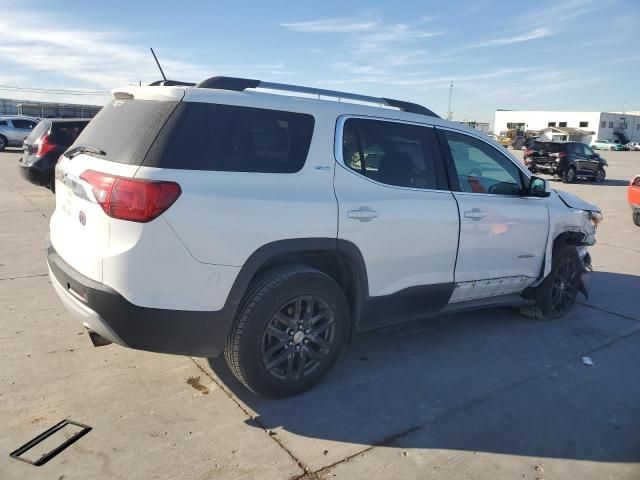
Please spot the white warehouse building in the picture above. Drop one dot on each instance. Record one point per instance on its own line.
(572, 126)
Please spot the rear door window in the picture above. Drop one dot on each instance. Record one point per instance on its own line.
(206, 136)
(393, 153)
(24, 124)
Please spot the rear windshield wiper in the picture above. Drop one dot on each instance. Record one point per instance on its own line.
(84, 149)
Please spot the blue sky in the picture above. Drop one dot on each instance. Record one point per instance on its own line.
(569, 54)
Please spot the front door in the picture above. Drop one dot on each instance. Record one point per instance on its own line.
(503, 233)
(586, 159)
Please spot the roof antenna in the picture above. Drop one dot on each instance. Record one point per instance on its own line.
(158, 63)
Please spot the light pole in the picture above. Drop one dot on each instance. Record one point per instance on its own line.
(449, 112)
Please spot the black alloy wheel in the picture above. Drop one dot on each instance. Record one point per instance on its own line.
(298, 338)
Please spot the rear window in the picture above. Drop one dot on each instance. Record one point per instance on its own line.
(40, 129)
(205, 136)
(65, 133)
(546, 147)
(125, 129)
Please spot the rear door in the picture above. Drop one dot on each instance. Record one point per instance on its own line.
(23, 128)
(395, 207)
(503, 233)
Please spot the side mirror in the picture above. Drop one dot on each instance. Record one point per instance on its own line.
(538, 187)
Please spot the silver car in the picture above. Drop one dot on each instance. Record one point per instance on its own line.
(14, 129)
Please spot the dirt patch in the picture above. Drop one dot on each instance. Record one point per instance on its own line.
(195, 383)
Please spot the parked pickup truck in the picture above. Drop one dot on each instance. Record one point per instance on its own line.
(217, 218)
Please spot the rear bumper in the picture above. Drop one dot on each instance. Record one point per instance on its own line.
(35, 175)
(108, 313)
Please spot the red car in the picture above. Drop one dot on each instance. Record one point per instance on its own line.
(634, 199)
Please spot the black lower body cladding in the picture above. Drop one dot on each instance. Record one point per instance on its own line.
(158, 330)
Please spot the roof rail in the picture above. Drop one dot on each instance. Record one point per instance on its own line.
(171, 83)
(240, 84)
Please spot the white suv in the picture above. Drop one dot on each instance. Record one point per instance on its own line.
(220, 218)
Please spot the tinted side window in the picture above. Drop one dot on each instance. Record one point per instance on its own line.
(3, 123)
(24, 124)
(205, 136)
(66, 133)
(390, 152)
(481, 168)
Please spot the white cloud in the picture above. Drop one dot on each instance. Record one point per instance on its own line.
(423, 79)
(563, 11)
(47, 54)
(525, 37)
(333, 25)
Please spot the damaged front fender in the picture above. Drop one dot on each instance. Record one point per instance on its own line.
(570, 221)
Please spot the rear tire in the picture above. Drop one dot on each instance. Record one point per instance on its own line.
(557, 293)
(569, 175)
(636, 217)
(291, 326)
(3, 143)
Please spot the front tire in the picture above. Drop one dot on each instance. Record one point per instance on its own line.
(556, 295)
(636, 217)
(290, 328)
(600, 176)
(3, 143)
(569, 175)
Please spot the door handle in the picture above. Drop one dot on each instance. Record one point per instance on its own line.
(364, 214)
(475, 213)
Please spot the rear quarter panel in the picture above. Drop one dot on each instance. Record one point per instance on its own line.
(223, 217)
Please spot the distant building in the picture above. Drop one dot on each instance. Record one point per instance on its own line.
(483, 127)
(571, 126)
(46, 109)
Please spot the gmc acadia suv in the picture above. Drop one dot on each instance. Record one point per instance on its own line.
(226, 217)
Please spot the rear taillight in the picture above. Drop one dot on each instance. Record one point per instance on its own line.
(44, 146)
(132, 199)
(561, 154)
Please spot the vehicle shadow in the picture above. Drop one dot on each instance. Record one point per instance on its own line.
(490, 381)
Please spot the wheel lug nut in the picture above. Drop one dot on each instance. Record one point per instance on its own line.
(306, 341)
(290, 343)
(298, 348)
(291, 333)
(308, 330)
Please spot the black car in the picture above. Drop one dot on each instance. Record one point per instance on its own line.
(567, 160)
(42, 148)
